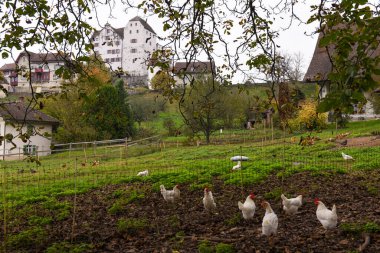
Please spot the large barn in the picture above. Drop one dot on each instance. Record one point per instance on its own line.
(318, 71)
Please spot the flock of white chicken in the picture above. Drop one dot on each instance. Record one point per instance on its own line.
(327, 217)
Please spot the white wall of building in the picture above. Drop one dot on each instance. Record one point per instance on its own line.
(139, 44)
(42, 144)
(50, 82)
(109, 45)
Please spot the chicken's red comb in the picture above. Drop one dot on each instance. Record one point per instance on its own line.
(316, 200)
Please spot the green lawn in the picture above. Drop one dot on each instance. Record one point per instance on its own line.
(63, 173)
(37, 195)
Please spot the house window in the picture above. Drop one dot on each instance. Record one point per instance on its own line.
(133, 50)
(137, 31)
(118, 51)
(131, 24)
(110, 44)
(136, 24)
(117, 42)
(46, 67)
(29, 149)
(96, 44)
(130, 31)
(109, 51)
(133, 40)
(108, 31)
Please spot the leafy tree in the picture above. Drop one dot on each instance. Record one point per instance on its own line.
(348, 26)
(145, 107)
(107, 111)
(70, 106)
(161, 80)
(308, 118)
(202, 107)
(350, 32)
(125, 107)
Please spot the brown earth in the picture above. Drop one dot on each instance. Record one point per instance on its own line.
(368, 141)
(184, 225)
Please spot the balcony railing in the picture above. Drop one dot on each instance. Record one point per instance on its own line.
(40, 80)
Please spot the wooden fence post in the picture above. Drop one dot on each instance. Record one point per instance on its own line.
(126, 146)
(94, 148)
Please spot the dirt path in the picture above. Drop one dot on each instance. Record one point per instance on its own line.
(368, 141)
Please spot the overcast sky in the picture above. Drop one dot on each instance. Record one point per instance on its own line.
(291, 41)
(299, 38)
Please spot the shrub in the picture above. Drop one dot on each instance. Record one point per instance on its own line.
(307, 117)
(170, 126)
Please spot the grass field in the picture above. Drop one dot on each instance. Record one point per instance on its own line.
(59, 173)
(25, 185)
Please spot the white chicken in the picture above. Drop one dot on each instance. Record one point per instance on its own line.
(270, 220)
(291, 205)
(208, 200)
(248, 208)
(328, 218)
(170, 195)
(237, 166)
(347, 157)
(143, 173)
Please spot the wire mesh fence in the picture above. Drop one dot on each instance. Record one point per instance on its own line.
(79, 168)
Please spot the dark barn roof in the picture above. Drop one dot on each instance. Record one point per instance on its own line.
(320, 65)
(194, 67)
(43, 57)
(8, 66)
(18, 112)
(144, 23)
(118, 31)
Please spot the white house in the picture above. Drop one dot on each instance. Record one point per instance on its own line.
(17, 115)
(108, 43)
(42, 72)
(129, 48)
(186, 72)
